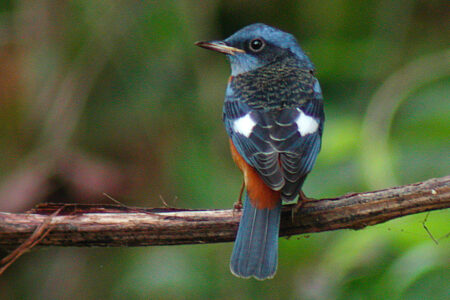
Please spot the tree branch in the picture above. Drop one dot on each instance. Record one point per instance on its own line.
(115, 225)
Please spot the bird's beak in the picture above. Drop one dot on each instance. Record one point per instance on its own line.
(219, 46)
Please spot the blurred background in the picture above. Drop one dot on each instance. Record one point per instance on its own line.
(113, 97)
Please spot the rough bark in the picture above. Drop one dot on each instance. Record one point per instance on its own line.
(115, 225)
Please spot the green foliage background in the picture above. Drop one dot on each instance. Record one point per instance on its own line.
(112, 96)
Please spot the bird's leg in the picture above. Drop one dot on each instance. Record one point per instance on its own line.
(238, 204)
(302, 199)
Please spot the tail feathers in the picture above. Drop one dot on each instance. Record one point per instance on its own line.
(255, 251)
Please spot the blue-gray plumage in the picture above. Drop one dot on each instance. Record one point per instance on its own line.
(256, 242)
(273, 113)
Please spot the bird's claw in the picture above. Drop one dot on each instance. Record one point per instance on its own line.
(237, 205)
(302, 199)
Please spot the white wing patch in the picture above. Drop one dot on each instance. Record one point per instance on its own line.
(306, 124)
(244, 125)
(317, 88)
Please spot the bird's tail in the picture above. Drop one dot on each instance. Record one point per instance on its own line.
(255, 251)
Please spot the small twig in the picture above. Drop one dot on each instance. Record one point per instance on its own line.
(130, 209)
(163, 201)
(425, 226)
(38, 235)
(113, 200)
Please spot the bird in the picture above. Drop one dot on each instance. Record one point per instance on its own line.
(273, 114)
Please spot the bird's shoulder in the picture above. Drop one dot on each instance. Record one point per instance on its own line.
(277, 85)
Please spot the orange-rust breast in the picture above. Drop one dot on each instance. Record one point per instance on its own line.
(259, 193)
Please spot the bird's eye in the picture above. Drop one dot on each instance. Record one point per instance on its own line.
(256, 45)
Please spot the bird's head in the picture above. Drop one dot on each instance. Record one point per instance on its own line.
(257, 45)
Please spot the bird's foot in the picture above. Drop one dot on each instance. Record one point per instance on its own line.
(237, 205)
(302, 199)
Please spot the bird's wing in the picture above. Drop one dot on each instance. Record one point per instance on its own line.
(298, 152)
(281, 144)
